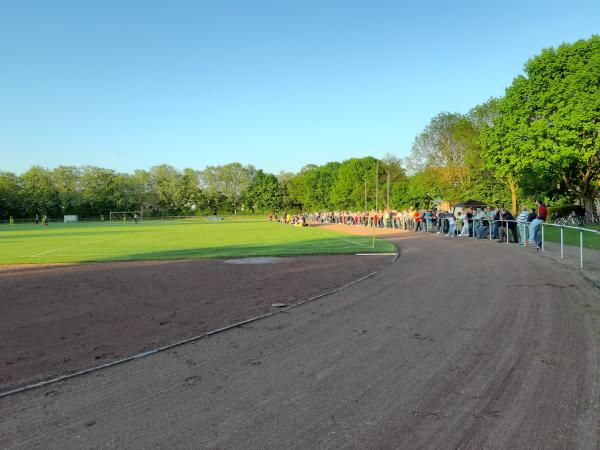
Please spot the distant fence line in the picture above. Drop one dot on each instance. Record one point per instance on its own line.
(106, 219)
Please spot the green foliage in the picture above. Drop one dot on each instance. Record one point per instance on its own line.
(315, 185)
(549, 121)
(11, 203)
(228, 181)
(349, 189)
(448, 147)
(38, 191)
(265, 193)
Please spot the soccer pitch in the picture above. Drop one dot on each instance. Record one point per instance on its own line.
(110, 241)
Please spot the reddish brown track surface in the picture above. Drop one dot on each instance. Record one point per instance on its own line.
(58, 319)
(459, 344)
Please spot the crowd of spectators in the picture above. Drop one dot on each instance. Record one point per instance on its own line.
(482, 223)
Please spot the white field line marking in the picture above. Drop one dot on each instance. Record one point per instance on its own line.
(342, 239)
(70, 246)
(375, 254)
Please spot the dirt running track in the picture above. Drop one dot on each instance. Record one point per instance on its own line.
(459, 344)
(58, 319)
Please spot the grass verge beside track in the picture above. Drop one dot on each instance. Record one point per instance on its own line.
(106, 241)
(571, 237)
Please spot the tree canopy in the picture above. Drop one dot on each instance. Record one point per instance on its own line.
(549, 119)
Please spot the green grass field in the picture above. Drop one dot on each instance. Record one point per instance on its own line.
(104, 241)
(571, 237)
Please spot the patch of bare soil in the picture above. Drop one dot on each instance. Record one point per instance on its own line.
(62, 318)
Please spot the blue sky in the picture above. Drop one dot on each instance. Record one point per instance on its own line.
(276, 84)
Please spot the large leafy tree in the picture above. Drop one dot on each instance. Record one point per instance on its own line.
(448, 147)
(39, 192)
(395, 179)
(66, 183)
(98, 190)
(348, 192)
(265, 193)
(315, 184)
(229, 180)
(167, 183)
(11, 203)
(549, 121)
(140, 185)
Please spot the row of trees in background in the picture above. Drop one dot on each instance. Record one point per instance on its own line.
(164, 190)
(541, 140)
(92, 191)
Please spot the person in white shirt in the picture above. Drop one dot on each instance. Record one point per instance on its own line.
(452, 225)
(522, 221)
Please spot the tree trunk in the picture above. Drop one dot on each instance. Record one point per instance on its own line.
(513, 196)
(588, 204)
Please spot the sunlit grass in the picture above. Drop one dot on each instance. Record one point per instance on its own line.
(105, 241)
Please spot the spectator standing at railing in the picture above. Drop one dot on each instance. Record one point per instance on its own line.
(496, 222)
(534, 227)
(462, 219)
(532, 215)
(484, 226)
(434, 220)
(417, 217)
(451, 225)
(522, 220)
(469, 216)
(477, 221)
(508, 223)
(428, 221)
(501, 225)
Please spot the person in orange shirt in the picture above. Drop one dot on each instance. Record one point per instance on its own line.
(417, 217)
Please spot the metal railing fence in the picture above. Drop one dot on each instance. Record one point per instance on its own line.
(521, 231)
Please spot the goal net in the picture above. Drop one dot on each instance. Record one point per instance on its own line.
(123, 216)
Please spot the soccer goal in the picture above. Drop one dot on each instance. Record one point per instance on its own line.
(123, 216)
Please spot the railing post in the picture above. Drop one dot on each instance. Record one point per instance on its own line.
(542, 225)
(562, 241)
(581, 249)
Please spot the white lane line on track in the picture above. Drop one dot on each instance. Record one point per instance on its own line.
(177, 344)
(376, 254)
(70, 246)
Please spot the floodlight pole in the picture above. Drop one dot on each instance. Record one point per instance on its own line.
(376, 204)
(376, 186)
(388, 192)
(365, 195)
